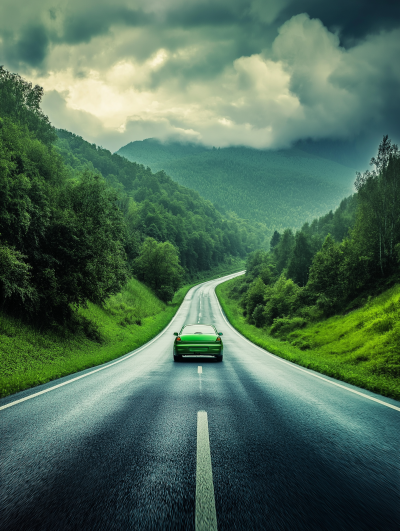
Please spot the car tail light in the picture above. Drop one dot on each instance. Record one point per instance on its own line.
(178, 338)
(218, 338)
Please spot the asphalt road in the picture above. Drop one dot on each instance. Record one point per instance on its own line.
(117, 448)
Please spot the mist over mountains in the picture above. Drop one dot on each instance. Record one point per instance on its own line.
(279, 188)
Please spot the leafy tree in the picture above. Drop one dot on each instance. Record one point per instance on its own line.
(284, 249)
(300, 260)
(88, 262)
(254, 297)
(158, 266)
(20, 101)
(379, 210)
(281, 299)
(327, 282)
(274, 240)
(62, 240)
(15, 277)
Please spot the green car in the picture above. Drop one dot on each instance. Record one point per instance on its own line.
(198, 340)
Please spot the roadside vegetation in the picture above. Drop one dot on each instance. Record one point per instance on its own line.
(76, 222)
(361, 348)
(31, 355)
(79, 227)
(331, 289)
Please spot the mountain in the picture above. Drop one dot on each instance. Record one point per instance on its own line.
(279, 188)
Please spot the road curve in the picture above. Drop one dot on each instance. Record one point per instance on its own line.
(116, 449)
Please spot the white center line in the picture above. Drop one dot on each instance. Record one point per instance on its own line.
(199, 369)
(206, 516)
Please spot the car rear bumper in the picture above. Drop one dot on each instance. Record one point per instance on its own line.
(198, 351)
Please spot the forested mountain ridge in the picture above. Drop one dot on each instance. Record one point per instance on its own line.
(279, 188)
(334, 264)
(164, 209)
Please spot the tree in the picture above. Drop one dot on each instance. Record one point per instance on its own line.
(15, 277)
(281, 299)
(327, 282)
(84, 244)
(20, 101)
(158, 266)
(300, 260)
(378, 220)
(283, 250)
(274, 240)
(254, 297)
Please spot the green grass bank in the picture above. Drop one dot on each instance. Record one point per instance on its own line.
(30, 356)
(361, 348)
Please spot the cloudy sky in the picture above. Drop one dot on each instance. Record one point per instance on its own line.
(261, 73)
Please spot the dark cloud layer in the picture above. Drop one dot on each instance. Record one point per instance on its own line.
(33, 45)
(84, 26)
(354, 19)
(254, 72)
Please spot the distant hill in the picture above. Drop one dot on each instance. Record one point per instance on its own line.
(279, 188)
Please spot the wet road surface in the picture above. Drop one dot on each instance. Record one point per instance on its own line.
(118, 448)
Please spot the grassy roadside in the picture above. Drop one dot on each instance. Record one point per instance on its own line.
(30, 357)
(361, 348)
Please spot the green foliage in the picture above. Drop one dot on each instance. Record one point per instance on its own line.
(21, 102)
(281, 299)
(361, 348)
(283, 326)
(300, 260)
(336, 259)
(61, 239)
(158, 266)
(15, 276)
(157, 207)
(284, 249)
(274, 240)
(254, 298)
(94, 335)
(277, 188)
(378, 223)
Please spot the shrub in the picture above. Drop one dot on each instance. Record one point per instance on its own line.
(258, 316)
(282, 326)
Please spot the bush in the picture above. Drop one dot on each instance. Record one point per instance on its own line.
(282, 326)
(281, 299)
(258, 316)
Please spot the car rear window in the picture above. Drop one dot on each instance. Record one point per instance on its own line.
(198, 329)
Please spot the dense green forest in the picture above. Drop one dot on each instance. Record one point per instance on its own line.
(333, 264)
(278, 188)
(156, 206)
(76, 221)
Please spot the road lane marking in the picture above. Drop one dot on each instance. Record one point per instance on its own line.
(293, 365)
(206, 516)
(188, 297)
(199, 369)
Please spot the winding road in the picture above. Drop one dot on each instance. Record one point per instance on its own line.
(254, 442)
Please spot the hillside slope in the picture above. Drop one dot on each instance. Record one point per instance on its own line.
(279, 188)
(361, 347)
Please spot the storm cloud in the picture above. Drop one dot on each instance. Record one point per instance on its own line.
(223, 72)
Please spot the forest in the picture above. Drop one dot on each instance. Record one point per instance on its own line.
(76, 222)
(278, 188)
(334, 264)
